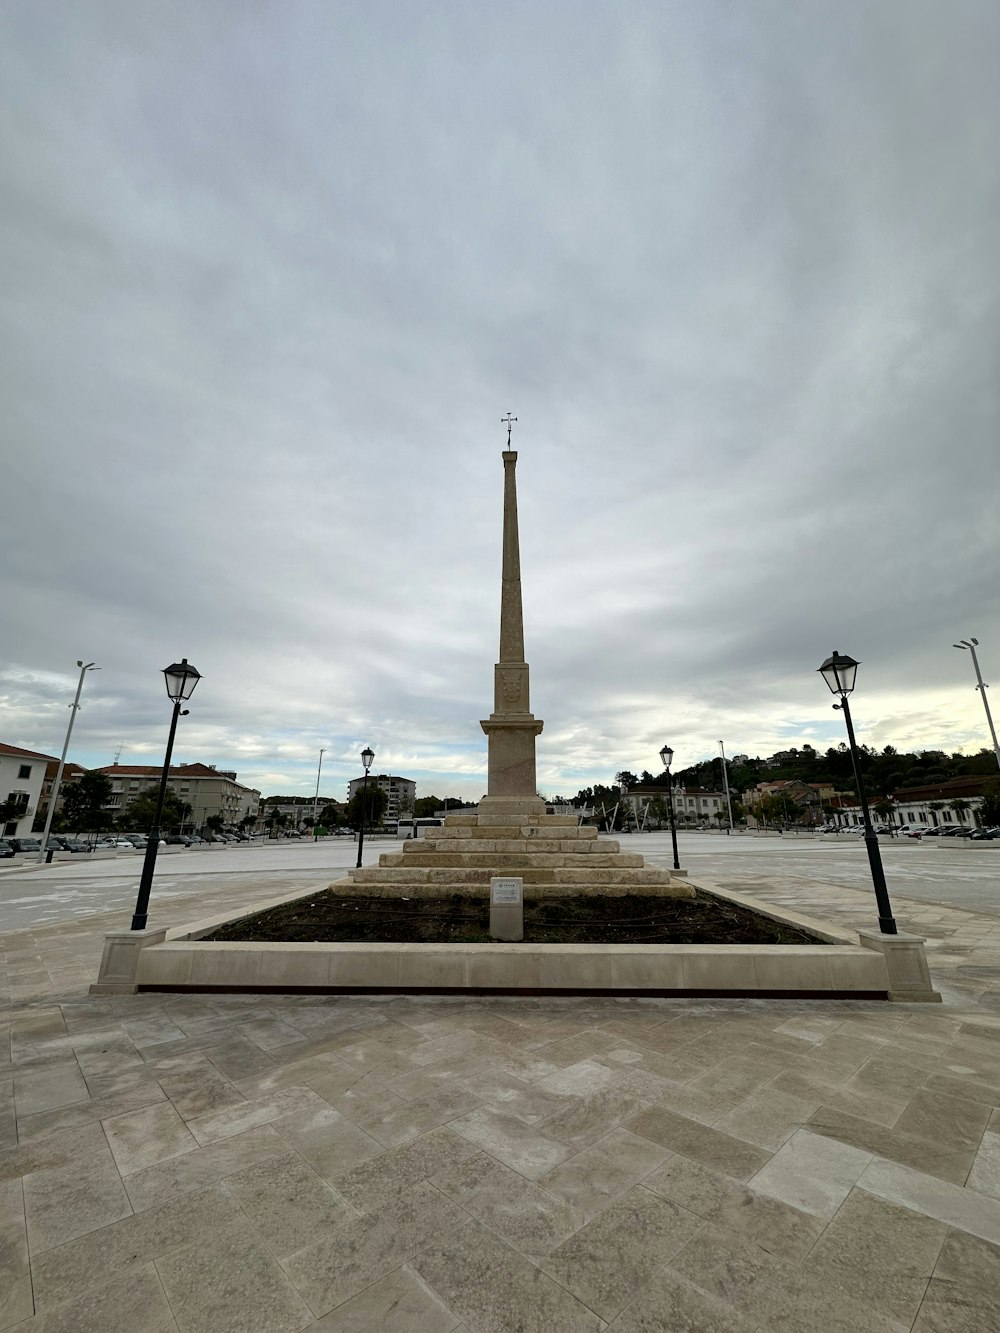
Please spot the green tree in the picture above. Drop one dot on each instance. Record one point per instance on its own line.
(13, 808)
(989, 806)
(140, 812)
(961, 807)
(934, 807)
(884, 810)
(215, 823)
(370, 807)
(84, 802)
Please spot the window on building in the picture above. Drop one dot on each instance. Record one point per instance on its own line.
(24, 772)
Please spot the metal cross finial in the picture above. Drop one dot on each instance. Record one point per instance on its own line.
(507, 421)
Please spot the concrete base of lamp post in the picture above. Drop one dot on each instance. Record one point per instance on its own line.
(906, 963)
(120, 960)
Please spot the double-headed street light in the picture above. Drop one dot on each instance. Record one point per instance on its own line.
(970, 645)
(839, 672)
(181, 678)
(666, 756)
(367, 757)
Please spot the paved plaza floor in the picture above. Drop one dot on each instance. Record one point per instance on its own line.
(264, 1163)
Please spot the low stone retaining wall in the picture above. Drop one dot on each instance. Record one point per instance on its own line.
(839, 965)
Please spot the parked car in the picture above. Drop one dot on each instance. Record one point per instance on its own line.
(6, 850)
(75, 845)
(984, 834)
(956, 831)
(25, 844)
(913, 830)
(178, 840)
(934, 832)
(193, 838)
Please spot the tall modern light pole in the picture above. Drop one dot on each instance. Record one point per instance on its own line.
(971, 645)
(725, 786)
(181, 678)
(666, 756)
(74, 707)
(319, 770)
(839, 672)
(367, 756)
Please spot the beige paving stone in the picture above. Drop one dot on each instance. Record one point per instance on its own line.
(238, 1118)
(671, 1303)
(973, 1089)
(328, 1141)
(526, 1216)
(271, 1033)
(142, 1138)
(64, 1202)
(289, 1205)
(49, 1089)
(776, 1294)
(955, 1121)
(603, 1171)
(985, 1174)
(731, 1155)
(132, 1304)
(400, 1123)
(373, 1184)
(228, 1283)
(430, 1078)
(8, 1118)
(863, 1103)
(964, 1209)
(15, 1277)
(811, 1173)
(939, 1157)
(495, 1289)
(880, 1252)
(83, 1113)
(963, 1296)
(196, 1092)
(527, 1149)
(530, 1102)
(368, 1248)
(399, 1303)
(238, 1059)
(103, 1256)
(614, 1255)
(775, 1226)
(202, 1167)
(767, 1118)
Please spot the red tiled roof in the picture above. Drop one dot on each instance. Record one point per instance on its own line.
(18, 753)
(154, 770)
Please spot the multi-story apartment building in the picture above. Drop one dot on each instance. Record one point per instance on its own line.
(691, 804)
(207, 790)
(400, 791)
(22, 773)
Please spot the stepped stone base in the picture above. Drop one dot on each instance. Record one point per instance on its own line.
(551, 853)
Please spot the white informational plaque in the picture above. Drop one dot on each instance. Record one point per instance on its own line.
(505, 892)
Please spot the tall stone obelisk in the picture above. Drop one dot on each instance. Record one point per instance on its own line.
(511, 728)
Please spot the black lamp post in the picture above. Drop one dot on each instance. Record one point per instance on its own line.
(367, 755)
(181, 678)
(666, 755)
(839, 672)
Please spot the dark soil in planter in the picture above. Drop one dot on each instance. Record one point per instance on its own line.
(456, 919)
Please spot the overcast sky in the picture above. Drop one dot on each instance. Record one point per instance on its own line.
(273, 272)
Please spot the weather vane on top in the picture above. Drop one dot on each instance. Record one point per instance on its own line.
(507, 421)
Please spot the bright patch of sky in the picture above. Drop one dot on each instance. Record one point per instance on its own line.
(275, 271)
